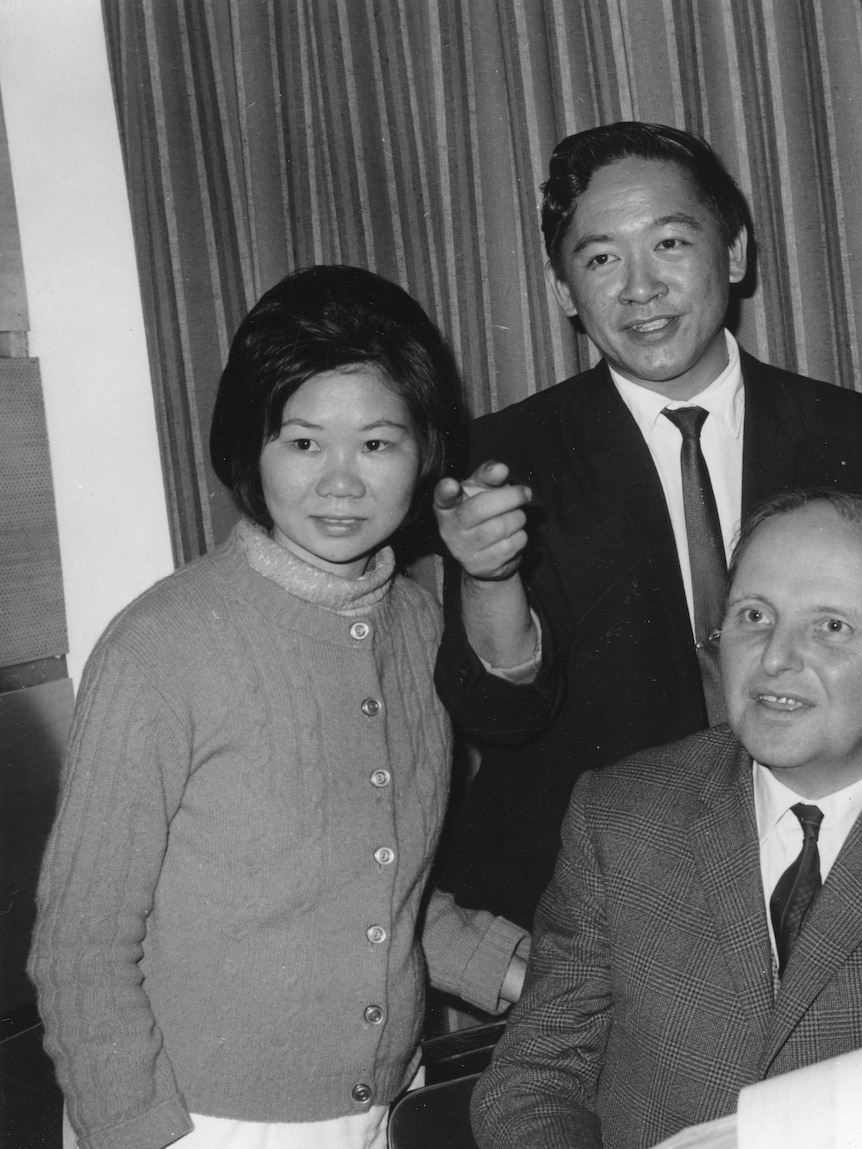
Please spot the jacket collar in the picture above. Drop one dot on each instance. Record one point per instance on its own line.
(770, 446)
(723, 840)
(609, 440)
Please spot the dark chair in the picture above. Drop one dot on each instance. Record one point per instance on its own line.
(434, 1117)
(461, 1052)
(437, 1116)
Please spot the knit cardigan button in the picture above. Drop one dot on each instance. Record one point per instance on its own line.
(373, 1014)
(376, 934)
(380, 778)
(384, 856)
(361, 1093)
(360, 630)
(371, 707)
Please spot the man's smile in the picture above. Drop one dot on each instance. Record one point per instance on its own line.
(781, 702)
(648, 326)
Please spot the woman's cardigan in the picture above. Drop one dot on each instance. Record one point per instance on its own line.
(252, 797)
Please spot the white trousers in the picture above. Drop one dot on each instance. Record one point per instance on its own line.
(364, 1131)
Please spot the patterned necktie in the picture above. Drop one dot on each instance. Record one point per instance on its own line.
(797, 887)
(705, 552)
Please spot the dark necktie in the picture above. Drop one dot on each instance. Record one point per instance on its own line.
(705, 552)
(797, 887)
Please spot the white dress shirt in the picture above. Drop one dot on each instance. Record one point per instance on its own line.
(780, 833)
(720, 440)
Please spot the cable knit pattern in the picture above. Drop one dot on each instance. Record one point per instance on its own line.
(239, 758)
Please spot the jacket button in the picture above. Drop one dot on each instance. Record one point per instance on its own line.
(370, 707)
(380, 778)
(373, 1015)
(384, 856)
(360, 630)
(361, 1093)
(376, 934)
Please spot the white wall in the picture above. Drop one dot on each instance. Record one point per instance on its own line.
(85, 309)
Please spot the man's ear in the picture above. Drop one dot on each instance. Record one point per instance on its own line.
(738, 256)
(561, 291)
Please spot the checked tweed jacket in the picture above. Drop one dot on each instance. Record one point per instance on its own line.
(649, 1001)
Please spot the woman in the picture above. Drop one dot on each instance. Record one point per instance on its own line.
(227, 949)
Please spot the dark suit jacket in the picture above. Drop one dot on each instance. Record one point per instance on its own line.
(603, 571)
(649, 1001)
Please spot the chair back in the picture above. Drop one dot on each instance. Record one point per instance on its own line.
(434, 1117)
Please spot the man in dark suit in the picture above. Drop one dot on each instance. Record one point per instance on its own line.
(579, 529)
(685, 947)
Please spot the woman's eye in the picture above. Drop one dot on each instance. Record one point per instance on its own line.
(600, 260)
(377, 445)
(753, 615)
(302, 444)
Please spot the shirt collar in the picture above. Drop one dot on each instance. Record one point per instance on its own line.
(724, 397)
(772, 800)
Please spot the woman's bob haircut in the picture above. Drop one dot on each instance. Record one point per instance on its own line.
(326, 318)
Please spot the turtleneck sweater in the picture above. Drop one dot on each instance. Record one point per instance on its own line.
(254, 788)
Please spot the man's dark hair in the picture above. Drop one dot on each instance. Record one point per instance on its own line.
(845, 505)
(577, 158)
(325, 318)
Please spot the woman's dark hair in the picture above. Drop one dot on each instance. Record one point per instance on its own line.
(577, 158)
(321, 319)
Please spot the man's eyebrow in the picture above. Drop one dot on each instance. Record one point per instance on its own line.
(678, 217)
(589, 240)
(744, 596)
(681, 217)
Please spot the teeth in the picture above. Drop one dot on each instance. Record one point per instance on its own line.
(652, 325)
(781, 700)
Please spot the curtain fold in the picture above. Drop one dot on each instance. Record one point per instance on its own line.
(411, 138)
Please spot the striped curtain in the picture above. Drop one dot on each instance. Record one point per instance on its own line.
(410, 137)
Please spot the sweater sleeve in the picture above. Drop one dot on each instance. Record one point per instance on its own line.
(468, 951)
(125, 771)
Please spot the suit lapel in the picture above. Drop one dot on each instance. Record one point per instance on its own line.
(725, 847)
(769, 446)
(832, 931)
(622, 467)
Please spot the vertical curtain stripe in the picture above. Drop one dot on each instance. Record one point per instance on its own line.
(784, 187)
(619, 47)
(332, 142)
(209, 225)
(843, 309)
(442, 153)
(562, 63)
(236, 195)
(671, 39)
(417, 139)
(485, 349)
(250, 263)
(284, 204)
(194, 429)
(356, 138)
(388, 138)
(529, 102)
(743, 165)
(310, 139)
